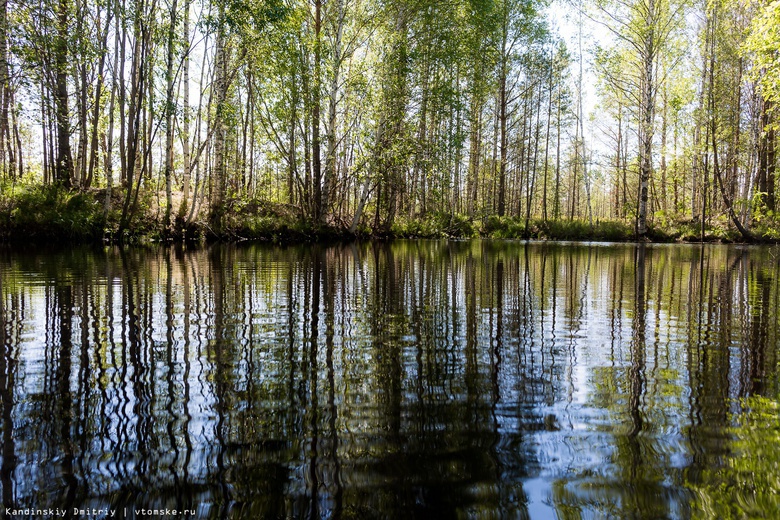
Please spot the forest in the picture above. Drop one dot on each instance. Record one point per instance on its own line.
(280, 118)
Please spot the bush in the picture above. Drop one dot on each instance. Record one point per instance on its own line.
(51, 213)
(435, 225)
(613, 231)
(567, 230)
(507, 227)
(503, 227)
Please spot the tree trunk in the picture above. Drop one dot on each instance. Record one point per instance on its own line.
(15, 158)
(713, 133)
(170, 106)
(419, 171)
(93, 151)
(619, 208)
(292, 172)
(647, 112)
(532, 173)
(766, 160)
(5, 90)
(330, 160)
(134, 130)
(475, 137)
(125, 176)
(698, 158)
(218, 181)
(547, 136)
(726, 199)
(64, 164)
(581, 118)
(664, 125)
(557, 191)
(502, 107)
(108, 147)
(315, 114)
(80, 79)
(185, 137)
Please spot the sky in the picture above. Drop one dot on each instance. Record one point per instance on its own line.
(565, 20)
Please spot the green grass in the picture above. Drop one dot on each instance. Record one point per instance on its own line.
(605, 230)
(50, 213)
(435, 225)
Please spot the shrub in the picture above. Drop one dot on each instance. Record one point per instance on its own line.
(503, 227)
(51, 213)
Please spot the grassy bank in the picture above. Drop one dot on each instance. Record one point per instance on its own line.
(45, 214)
(459, 226)
(49, 214)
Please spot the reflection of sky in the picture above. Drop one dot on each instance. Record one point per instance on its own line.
(417, 386)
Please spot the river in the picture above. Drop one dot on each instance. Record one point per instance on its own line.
(476, 379)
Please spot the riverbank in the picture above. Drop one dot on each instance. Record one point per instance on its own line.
(48, 214)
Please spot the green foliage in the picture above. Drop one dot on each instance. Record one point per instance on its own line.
(50, 213)
(762, 45)
(404, 94)
(42, 213)
(748, 484)
(606, 230)
(261, 220)
(683, 230)
(722, 230)
(460, 226)
(502, 227)
(688, 230)
(39, 213)
(435, 225)
(768, 229)
(566, 230)
(275, 229)
(765, 222)
(245, 17)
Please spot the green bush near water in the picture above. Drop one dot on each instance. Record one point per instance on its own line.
(502, 227)
(436, 225)
(50, 213)
(605, 230)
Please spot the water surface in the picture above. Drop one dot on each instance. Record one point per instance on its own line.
(410, 379)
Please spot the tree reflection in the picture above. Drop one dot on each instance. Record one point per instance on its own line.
(740, 480)
(9, 336)
(385, 379)
(747, 485)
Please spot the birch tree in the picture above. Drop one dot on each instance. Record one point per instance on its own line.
(643, 28)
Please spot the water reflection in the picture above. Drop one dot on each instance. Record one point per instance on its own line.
(477, 379)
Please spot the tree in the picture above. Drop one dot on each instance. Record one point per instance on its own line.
(644, 28)
(64, 164)
(237, 23)
(762, 45)
(170, 107)
(518, 27)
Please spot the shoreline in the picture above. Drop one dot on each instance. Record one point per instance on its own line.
(52, 216)
(304, 233)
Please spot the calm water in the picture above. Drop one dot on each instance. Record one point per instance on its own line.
(412, 379)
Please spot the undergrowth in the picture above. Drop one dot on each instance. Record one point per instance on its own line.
(50, 213)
